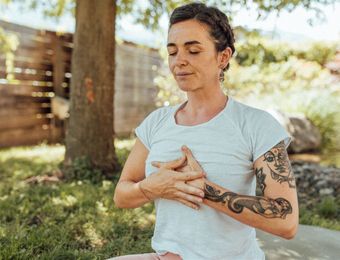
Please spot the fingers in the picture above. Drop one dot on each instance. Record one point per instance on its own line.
(189, 189)
(189, 204)
(189, 200)
(190, 175)
(191, 159)
(170, 165)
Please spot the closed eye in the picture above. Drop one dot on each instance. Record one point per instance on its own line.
(191, 52)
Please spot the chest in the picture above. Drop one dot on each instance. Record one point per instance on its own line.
(222, 153)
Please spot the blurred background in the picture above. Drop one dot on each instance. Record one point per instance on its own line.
(56, 193)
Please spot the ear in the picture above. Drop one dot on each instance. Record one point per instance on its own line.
(224, 57)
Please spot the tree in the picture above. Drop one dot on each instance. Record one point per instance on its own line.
(90, 132)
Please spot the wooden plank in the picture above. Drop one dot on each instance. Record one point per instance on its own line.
(30, 136)
(24, 76)
(9, 100)
(18, 70)
(22, 90)
(34, 83)
(28, 63)
(17, 28)
(33, 54)
(27, 110)
(27, 41)
(21, 102)
(38, 52)
(58, 66)
(22, 121)
(25, 59)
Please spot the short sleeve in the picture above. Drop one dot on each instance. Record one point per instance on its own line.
(265, 133)
(145, 130)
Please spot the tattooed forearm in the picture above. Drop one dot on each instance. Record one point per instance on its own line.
(279, 165)
(260, 177)
(266, 207)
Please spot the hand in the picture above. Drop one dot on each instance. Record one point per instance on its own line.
(170, 184)
(187, 163)
(192, 165)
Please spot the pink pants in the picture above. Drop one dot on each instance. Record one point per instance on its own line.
(148, 256)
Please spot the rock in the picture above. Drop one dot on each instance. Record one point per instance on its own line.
(314, 182)
(326, 191)
(305, 136)
(321, 183)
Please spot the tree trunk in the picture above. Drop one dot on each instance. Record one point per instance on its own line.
(90, 129)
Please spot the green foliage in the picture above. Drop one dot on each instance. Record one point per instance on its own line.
(326, 214)
(52, 8)
(123, 148)
(8, 42)
(257, 50)
(150, 12)
(328, 208)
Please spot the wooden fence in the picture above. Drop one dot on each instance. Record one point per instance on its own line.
(40, 70)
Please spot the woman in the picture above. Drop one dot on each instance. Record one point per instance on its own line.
(199, 161)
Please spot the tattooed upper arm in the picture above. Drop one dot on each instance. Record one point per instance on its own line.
(274, 167)
(274, 177)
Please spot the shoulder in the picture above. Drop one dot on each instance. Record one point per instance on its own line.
(251, 115)
(158, 114)
(155, 118)
(148, 127)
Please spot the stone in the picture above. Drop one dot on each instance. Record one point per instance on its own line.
(326, 191)
(305, 136)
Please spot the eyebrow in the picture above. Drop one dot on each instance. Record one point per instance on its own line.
(170, 44)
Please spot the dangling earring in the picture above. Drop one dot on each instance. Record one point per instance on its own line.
(221, 77)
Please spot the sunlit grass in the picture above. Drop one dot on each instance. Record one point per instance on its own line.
(124, 143)
(42, 152)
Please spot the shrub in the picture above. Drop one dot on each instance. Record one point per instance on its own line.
(328, 207)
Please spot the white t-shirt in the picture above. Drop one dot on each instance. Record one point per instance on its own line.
(226, 147)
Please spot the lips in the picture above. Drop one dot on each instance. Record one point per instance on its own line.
(180, 74)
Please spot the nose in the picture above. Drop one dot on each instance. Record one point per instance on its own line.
(180, 59)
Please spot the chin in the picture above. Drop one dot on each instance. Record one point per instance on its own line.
(186, 86)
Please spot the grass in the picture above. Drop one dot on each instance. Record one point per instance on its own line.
(77, 219)
(66, 220)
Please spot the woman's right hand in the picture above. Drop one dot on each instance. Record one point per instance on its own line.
(170, 184)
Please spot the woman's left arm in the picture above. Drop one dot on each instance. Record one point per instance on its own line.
(276, 211)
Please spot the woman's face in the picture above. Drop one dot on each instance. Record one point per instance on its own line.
(193, 59)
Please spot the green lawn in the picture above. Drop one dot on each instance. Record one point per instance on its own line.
(77, 219)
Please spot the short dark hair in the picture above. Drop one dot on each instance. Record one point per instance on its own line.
(218, 22)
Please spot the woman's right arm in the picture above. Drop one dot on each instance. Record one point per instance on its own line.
(165, 183)
(127, 193)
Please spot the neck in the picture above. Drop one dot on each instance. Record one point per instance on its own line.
(204, 103)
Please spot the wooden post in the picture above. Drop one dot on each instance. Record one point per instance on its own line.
(58, 79)
(58, 65)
